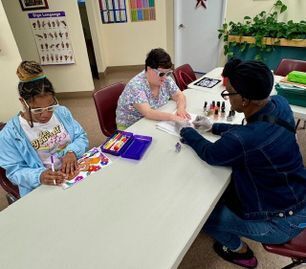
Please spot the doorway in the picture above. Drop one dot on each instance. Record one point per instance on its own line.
(88, 39)
(196, 35)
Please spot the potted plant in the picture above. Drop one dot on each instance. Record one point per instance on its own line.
(263, 33)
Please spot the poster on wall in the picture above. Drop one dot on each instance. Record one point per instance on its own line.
(142, 10)
(113, 11)
(52, 37)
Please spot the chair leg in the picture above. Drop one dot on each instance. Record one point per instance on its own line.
(10, 198)
(297, 124)
(294, 263)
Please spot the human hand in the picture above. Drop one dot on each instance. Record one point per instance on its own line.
(49, 177)
(69, 163)
(179, 125)
(202, 123)
(181, 112)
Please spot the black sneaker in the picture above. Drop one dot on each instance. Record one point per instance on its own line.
(247, 260)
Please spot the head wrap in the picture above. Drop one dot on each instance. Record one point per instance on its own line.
(251, 79)
(29, 71)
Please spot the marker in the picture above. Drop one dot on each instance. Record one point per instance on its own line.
(119, 144)
(110, 143)
(52, 163)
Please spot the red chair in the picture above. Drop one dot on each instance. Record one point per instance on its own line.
(288, 65)
(294, 249)
(184, 75)
(106, 103)
(11, 189)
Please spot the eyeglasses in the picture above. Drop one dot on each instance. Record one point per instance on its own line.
(37, 111)
(225, 94)
(162, 73)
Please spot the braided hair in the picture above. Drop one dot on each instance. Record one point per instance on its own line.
(33, 81)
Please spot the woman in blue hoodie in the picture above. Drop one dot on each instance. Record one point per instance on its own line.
(42, 143)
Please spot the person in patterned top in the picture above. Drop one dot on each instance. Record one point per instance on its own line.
(150, 90)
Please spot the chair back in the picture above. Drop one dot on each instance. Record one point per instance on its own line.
(184, 75)
(106, 103)
(7, 185)
(288, 65)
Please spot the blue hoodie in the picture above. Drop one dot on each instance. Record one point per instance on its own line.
(21, 161)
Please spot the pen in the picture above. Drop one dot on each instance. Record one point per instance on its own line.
(52, 163)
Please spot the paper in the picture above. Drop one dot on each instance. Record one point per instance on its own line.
(207, 82)
(169, 126)
(91, 162)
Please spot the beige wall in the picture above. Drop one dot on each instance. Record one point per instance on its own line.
(9, 60)
(128, 43)
(237, 9)
(66, 78)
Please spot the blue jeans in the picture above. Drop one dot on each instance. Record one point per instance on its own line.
(226, 227)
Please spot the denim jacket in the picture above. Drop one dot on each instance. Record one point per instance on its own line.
(268, 175)
(21, 161)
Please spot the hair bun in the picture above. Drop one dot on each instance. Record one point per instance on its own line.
(29, 70)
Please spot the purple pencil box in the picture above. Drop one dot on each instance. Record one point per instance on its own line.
(127, 145)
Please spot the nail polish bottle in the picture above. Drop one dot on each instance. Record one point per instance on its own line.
(205, 106)
(222, 112)
(216, 113)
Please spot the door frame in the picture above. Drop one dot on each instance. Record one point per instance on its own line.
(220, 58)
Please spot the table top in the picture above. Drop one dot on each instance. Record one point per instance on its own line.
(299, 111)
(131, 214)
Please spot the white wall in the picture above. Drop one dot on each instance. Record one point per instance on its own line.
(128, 43)
(9, 60)
(65, 78)
(237, 9)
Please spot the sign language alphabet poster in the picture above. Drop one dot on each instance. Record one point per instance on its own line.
(52, 38)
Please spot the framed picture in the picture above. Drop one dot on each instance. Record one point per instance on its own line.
(33, 4)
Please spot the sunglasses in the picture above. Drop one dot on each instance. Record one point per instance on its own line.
(162, 73)
(37, 111)
(225, 94)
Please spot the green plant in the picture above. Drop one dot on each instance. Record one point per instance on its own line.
(265, 24)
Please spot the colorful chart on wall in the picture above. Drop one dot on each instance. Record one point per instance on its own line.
(113, 11)
(142, 10)
(52, 37)
(91, 162)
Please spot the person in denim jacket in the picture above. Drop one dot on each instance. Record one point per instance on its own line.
(41, 144)
(266, 199)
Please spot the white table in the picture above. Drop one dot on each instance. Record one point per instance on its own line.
(133, 214)
(299, 111)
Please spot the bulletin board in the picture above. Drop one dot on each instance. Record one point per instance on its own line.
(113, 11)
(142, 10)
(52, 37)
